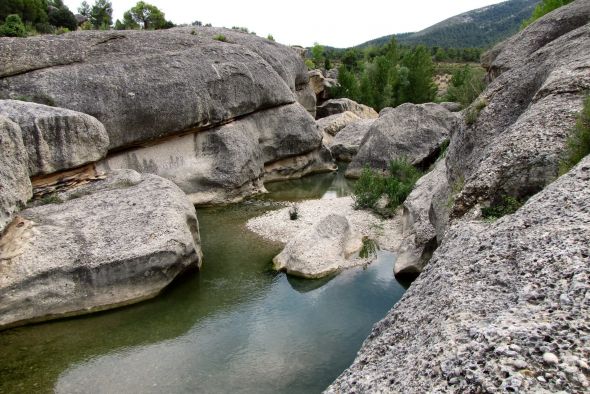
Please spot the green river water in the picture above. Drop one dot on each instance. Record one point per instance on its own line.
(234, 327)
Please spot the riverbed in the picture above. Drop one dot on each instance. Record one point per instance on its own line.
(236, 326)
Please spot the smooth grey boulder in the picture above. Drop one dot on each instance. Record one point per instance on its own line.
(15, 185)
(331, 125)
(451, 106)
(321, 84)
(56, 138)
(490, 305)
(410, 131)
(513, 144)
(110, 243)
(306, 97)
(328, 248)
(418, 226)
(184, 81)
(338, 106)
(346, 143)
(227, 163)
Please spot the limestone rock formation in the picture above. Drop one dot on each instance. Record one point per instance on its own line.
(321, 84)
(346, 143)
(226, 163)
(500, 307)
(413, 132)
(185, 81)
(420, 235)
(15, 186)
(327, 248)
(523, 118)
(338, 106)
(109, 243)
(331, 125)
(56, 138)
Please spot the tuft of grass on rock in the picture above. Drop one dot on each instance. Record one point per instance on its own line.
(220, 37)
(507, 206)
(472, 113)
(578, 143)
(395, 186)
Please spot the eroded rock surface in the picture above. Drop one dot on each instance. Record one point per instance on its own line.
(410, 131)
(346, 143)
(15, 186)
(56, 138)
(109, 243)
(338, 106)
(500, 307)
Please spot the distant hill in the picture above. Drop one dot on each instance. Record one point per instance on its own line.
(482, 27)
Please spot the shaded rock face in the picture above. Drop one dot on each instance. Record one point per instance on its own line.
(500, 307)
(110, 243)
(338, 106)
(326, 249)
(226, 163)
(184, 81)
(514, 146)
(419, 226)
(56, 139)
(410, 131)
(321, 84)
(345, 144)
(15, 186)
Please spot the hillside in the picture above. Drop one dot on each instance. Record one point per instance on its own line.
(478, 28)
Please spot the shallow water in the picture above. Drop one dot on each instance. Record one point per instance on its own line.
(236, 326)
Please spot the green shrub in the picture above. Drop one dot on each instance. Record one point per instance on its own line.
(578, 143)
(396, 186)
(270, 37)
(507, 206)
(369, 248)
(472, 113)
(13, 27)
(310, 64)
(220, 37)
(62, 30)
(545, 7)
(466, 85)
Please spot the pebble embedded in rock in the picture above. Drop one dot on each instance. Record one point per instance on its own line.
(550, 358)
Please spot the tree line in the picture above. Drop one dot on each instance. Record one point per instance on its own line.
(21, 18)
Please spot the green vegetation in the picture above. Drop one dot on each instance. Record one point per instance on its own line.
(13, 27)
(472, 112)
(395, 186)
(220, 37)
(387, 77)
(50, 199)
(475, 29)
(143, 16)
(369, 248)
(506, 206)
(578, 143)
(270, 37)
(545, 7)
(466, 85)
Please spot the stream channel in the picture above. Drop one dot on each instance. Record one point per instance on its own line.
(235, 327)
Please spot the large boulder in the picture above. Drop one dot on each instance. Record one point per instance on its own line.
(331, 125)
(109, 243)
(321, 84)
(186, 80)
(410, 131)
(329, 247)
(15, 185)
(345, 145)
(338, 106)
(517, 129)
(229, 162)
(500, 307)
(56, 138)
(420, 235)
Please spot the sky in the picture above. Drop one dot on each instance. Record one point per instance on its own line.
(339, 24)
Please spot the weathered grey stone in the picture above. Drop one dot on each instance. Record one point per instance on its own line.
(321, 84)
(56, 138)
(413, 132)
(306, 97)
(420, 236)
(514, 146)
(184, 81)
(295, 167)
(490, 296)
(227, 163)
(451, 106)
(331, 125)
(329, 247)
(346, 143)
(338, 106)
(15, 186)
(111, 243)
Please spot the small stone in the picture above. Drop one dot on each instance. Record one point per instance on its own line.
(514, 347)
(541, 379)
(564, 299)
(519, 364)
(550, 358)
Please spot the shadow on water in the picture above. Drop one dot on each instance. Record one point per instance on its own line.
(234, 326)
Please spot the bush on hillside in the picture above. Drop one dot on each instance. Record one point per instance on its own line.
(466, 85)
(578, 143)
(13, 27)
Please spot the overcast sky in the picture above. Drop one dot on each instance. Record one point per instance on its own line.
(303, 22)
